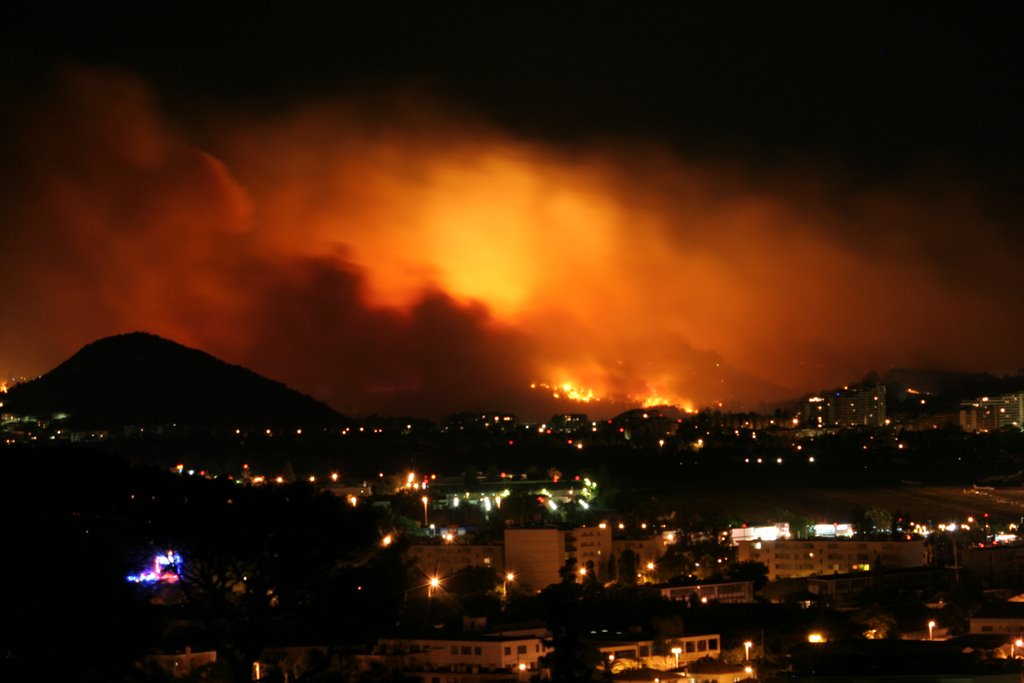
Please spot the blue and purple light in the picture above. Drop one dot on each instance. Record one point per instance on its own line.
(166, 569)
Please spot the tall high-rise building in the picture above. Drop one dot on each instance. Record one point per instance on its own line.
(861, 405)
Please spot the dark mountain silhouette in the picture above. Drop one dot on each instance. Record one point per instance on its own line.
(142, 379)
(957, 385)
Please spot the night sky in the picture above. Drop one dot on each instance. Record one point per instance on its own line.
(428, 207)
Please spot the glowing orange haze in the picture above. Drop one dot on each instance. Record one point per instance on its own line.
(430, 264)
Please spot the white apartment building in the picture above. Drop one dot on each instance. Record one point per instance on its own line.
(797, 558)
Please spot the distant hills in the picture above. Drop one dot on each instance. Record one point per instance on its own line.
(959, 385)
(143, 379)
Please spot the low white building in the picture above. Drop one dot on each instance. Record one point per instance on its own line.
(735, 592)
(513, 653)
(1005, 618)
(680, 651)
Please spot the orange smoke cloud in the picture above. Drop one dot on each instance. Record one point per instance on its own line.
(425, 262)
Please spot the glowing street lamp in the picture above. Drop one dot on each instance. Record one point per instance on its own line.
(746, 649)
(1014, 646)
(931, 630)
(433, 585)
(509, 577)
(677, 651)
(815, 638)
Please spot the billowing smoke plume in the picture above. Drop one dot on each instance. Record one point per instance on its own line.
(401, 258)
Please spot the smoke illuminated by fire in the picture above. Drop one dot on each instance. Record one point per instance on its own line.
(415, 260)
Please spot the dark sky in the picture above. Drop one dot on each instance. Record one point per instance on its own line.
(429, 206)
(876, 85)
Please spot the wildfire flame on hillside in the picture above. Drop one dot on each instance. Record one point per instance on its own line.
(577, 394)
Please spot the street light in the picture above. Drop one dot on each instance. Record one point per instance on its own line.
(432, 585)
(931, 630)
(509, 577)
(746, 649)
(1014, 646)
(425, 501)
(676, 651)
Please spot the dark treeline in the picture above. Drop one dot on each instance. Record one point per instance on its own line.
(262, 566)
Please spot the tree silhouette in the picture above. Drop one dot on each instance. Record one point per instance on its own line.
(262, 565)
(66, 599)
(750, 570)
(571, 658)
(628, 565)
